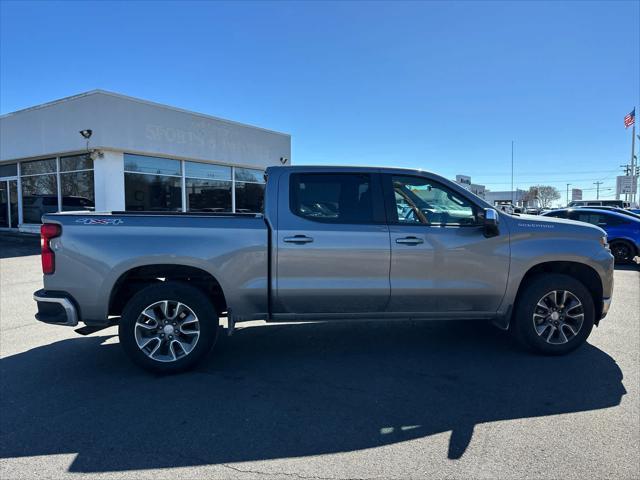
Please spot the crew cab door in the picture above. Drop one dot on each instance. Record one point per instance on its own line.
(441, 261)
(333, 251)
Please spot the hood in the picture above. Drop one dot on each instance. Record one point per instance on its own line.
(550, 224)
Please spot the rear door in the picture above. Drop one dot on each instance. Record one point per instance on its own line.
(441, 261)
(333, 249)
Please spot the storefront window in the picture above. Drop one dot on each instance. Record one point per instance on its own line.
(10, 170)
(208, 195)
(208, 187)
(157, 186)
(39, 189)
(206, 170)
(152, 193)
(249, 190)
(76, 183)
(152, 165)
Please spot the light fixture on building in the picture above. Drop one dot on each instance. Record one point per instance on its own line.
(283, 160)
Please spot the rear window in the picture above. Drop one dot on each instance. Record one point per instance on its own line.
(557, 214)
(333, 198)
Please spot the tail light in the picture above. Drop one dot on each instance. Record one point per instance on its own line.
(48, 231)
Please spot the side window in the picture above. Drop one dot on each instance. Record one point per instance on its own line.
(333, 198)
(422, 201)
(588, 217)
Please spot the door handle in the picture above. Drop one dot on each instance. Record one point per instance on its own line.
(409, 240)
(298, 239)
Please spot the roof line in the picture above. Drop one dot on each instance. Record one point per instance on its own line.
(142, 101)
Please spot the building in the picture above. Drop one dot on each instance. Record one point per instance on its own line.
(109, 152)
(517, 198)
(465, 182)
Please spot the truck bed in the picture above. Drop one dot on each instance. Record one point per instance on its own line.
(101, 248)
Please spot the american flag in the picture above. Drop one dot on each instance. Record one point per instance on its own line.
(630, 118)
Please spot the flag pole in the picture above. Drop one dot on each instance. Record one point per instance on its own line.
(633, 158)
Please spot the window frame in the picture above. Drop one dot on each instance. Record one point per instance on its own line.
(377, 206)
(391, 208)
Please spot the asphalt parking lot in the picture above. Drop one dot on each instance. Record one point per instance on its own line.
(392, 400)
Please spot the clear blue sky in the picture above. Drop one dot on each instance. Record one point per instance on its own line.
(440, 86)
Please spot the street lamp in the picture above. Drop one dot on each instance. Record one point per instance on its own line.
(568, 185)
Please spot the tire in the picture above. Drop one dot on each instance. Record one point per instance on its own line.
(622, 251)
(168, 327)
(543, 330)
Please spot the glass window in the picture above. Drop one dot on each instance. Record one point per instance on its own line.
(39, 196)
(422, 201)
(36, 167)
(153, 165)
(10, 170)
(341, 198)
(4, 203)
(249, 175)
(599, 219)
(588, 217)
(152, 192)
(560, 214)
(207, 170)
(76, 162)
(249, 197)
(77, 190)
(208, 195)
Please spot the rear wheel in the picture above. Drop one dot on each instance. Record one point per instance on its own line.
(622, 251)
(168, 327)
(554, 314)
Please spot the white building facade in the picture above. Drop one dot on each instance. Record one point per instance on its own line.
(140, 156)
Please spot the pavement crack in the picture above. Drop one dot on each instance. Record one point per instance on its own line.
(294, 475)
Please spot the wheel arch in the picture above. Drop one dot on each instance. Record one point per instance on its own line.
(135, 279)
(580, 271)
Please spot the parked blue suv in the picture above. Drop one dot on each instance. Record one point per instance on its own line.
(623, 231)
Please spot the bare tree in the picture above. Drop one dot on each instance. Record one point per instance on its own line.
(545, 194)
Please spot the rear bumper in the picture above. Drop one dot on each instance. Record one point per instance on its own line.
(56, 308)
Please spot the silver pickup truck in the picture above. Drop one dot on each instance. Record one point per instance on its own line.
(334, 243)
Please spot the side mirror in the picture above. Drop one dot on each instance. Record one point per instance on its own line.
(491, 222)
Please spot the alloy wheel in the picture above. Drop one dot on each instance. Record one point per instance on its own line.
(558, 317)
(621, 252)
(167, 331)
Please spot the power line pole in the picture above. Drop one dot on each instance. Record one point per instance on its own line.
(512, 192)
(597, 184)
(568, 185)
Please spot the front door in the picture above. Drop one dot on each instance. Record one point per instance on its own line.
(332, 244)
(441, 261)
(8, 204)
(4, 204)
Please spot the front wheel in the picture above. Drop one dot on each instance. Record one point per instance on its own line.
(168, 327)
(554, 314)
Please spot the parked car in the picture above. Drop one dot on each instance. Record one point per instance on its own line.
(333, 243)
(623, 230)
(599, 203)
(622, 211)
(34, 206)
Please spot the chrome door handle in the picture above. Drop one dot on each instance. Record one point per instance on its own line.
(409, 240)
(298, 239)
